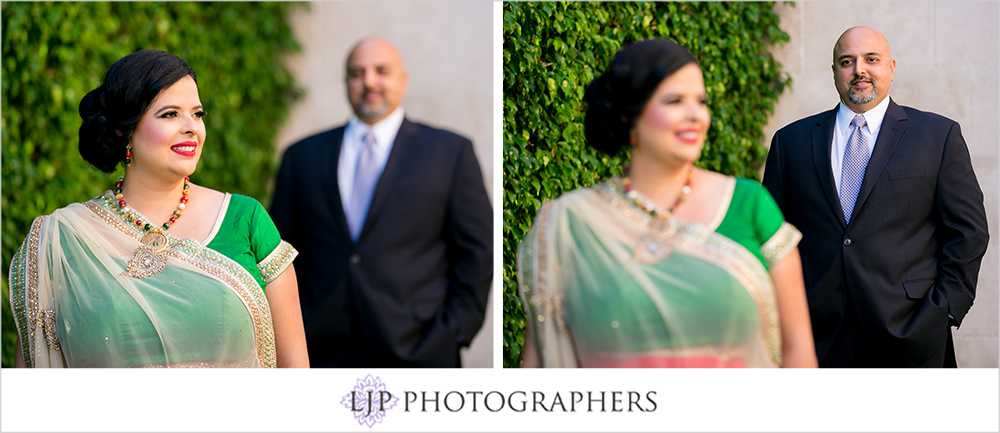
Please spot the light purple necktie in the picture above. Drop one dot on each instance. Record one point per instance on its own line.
(365, 178)
(853, 171)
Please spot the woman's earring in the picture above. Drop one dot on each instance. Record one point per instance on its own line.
(632, 138)
(128, 155)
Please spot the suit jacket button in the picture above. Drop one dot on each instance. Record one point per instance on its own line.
(840, 289)
(847, 242)
(355, 259)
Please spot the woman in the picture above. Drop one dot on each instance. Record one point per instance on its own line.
(667, 265)
(159, 272)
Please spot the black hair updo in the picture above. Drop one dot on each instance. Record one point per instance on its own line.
(116, 107)
(617, 98)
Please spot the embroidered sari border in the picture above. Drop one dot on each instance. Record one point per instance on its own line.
(542, 300)
(24, 291)
(275, 263)
(781, 243)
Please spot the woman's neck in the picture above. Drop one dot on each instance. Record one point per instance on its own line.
(156, 197)
(660, 182)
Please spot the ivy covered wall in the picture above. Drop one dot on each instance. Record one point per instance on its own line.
(552, 51)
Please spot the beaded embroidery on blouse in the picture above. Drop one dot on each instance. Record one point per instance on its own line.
(275, 263)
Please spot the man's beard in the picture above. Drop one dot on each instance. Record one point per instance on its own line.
(366, 112)
(862, 100)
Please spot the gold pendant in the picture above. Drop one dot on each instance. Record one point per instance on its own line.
(148, 259)
(654, 245)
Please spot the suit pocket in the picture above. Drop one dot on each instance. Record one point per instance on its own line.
(917, 289)
(903, 173)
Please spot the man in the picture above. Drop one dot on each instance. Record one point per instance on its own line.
(891, 214)
(393, 227)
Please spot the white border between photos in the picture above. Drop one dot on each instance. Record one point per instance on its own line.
(498, 185)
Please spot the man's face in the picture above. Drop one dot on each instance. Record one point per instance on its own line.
(863, 68)
(376, 80)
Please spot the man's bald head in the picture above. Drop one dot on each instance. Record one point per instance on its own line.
(863, 68)
(376, 80)
(858, 34)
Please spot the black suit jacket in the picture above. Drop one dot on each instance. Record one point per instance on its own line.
(413, 289)
(911, 254)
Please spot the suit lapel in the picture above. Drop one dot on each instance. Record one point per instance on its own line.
(400, 154)
(889, 134)
(332, 186)
(821, 142)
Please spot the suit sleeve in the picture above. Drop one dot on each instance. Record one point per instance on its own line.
(962, 225)
(469, 235)
(282, 210)
(773, 180)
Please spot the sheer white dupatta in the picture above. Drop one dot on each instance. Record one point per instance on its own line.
(74, 307)
(591, 301)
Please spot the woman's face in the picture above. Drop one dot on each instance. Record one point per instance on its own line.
(169, 138)
(673, 125)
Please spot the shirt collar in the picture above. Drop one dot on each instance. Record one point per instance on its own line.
(873, 117)
(385, 130)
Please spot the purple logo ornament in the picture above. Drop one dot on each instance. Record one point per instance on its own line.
(369, 400)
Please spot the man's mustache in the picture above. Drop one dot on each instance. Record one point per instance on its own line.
(377, 92)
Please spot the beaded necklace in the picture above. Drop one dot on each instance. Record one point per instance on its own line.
(148, 259)
(649, 207)
(656, 244)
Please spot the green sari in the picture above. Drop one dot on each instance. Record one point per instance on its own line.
(601, 288)
(76, 302)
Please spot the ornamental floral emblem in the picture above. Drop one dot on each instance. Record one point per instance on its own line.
(369, 400)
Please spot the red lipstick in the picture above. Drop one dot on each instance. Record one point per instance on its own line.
(689, 136)
(186, 148)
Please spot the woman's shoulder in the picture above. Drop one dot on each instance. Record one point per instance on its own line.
(749, 188)
(105, 199)
(247, 211)
(747, 184)
(235, 204)
(240, 201)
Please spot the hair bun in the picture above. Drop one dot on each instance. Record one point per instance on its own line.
(99, 144)
(603, 125)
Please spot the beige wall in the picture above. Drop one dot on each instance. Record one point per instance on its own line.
(447, 49)
(946, 62)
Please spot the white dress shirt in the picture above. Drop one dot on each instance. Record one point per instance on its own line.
(842, 131)
(385, 135)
